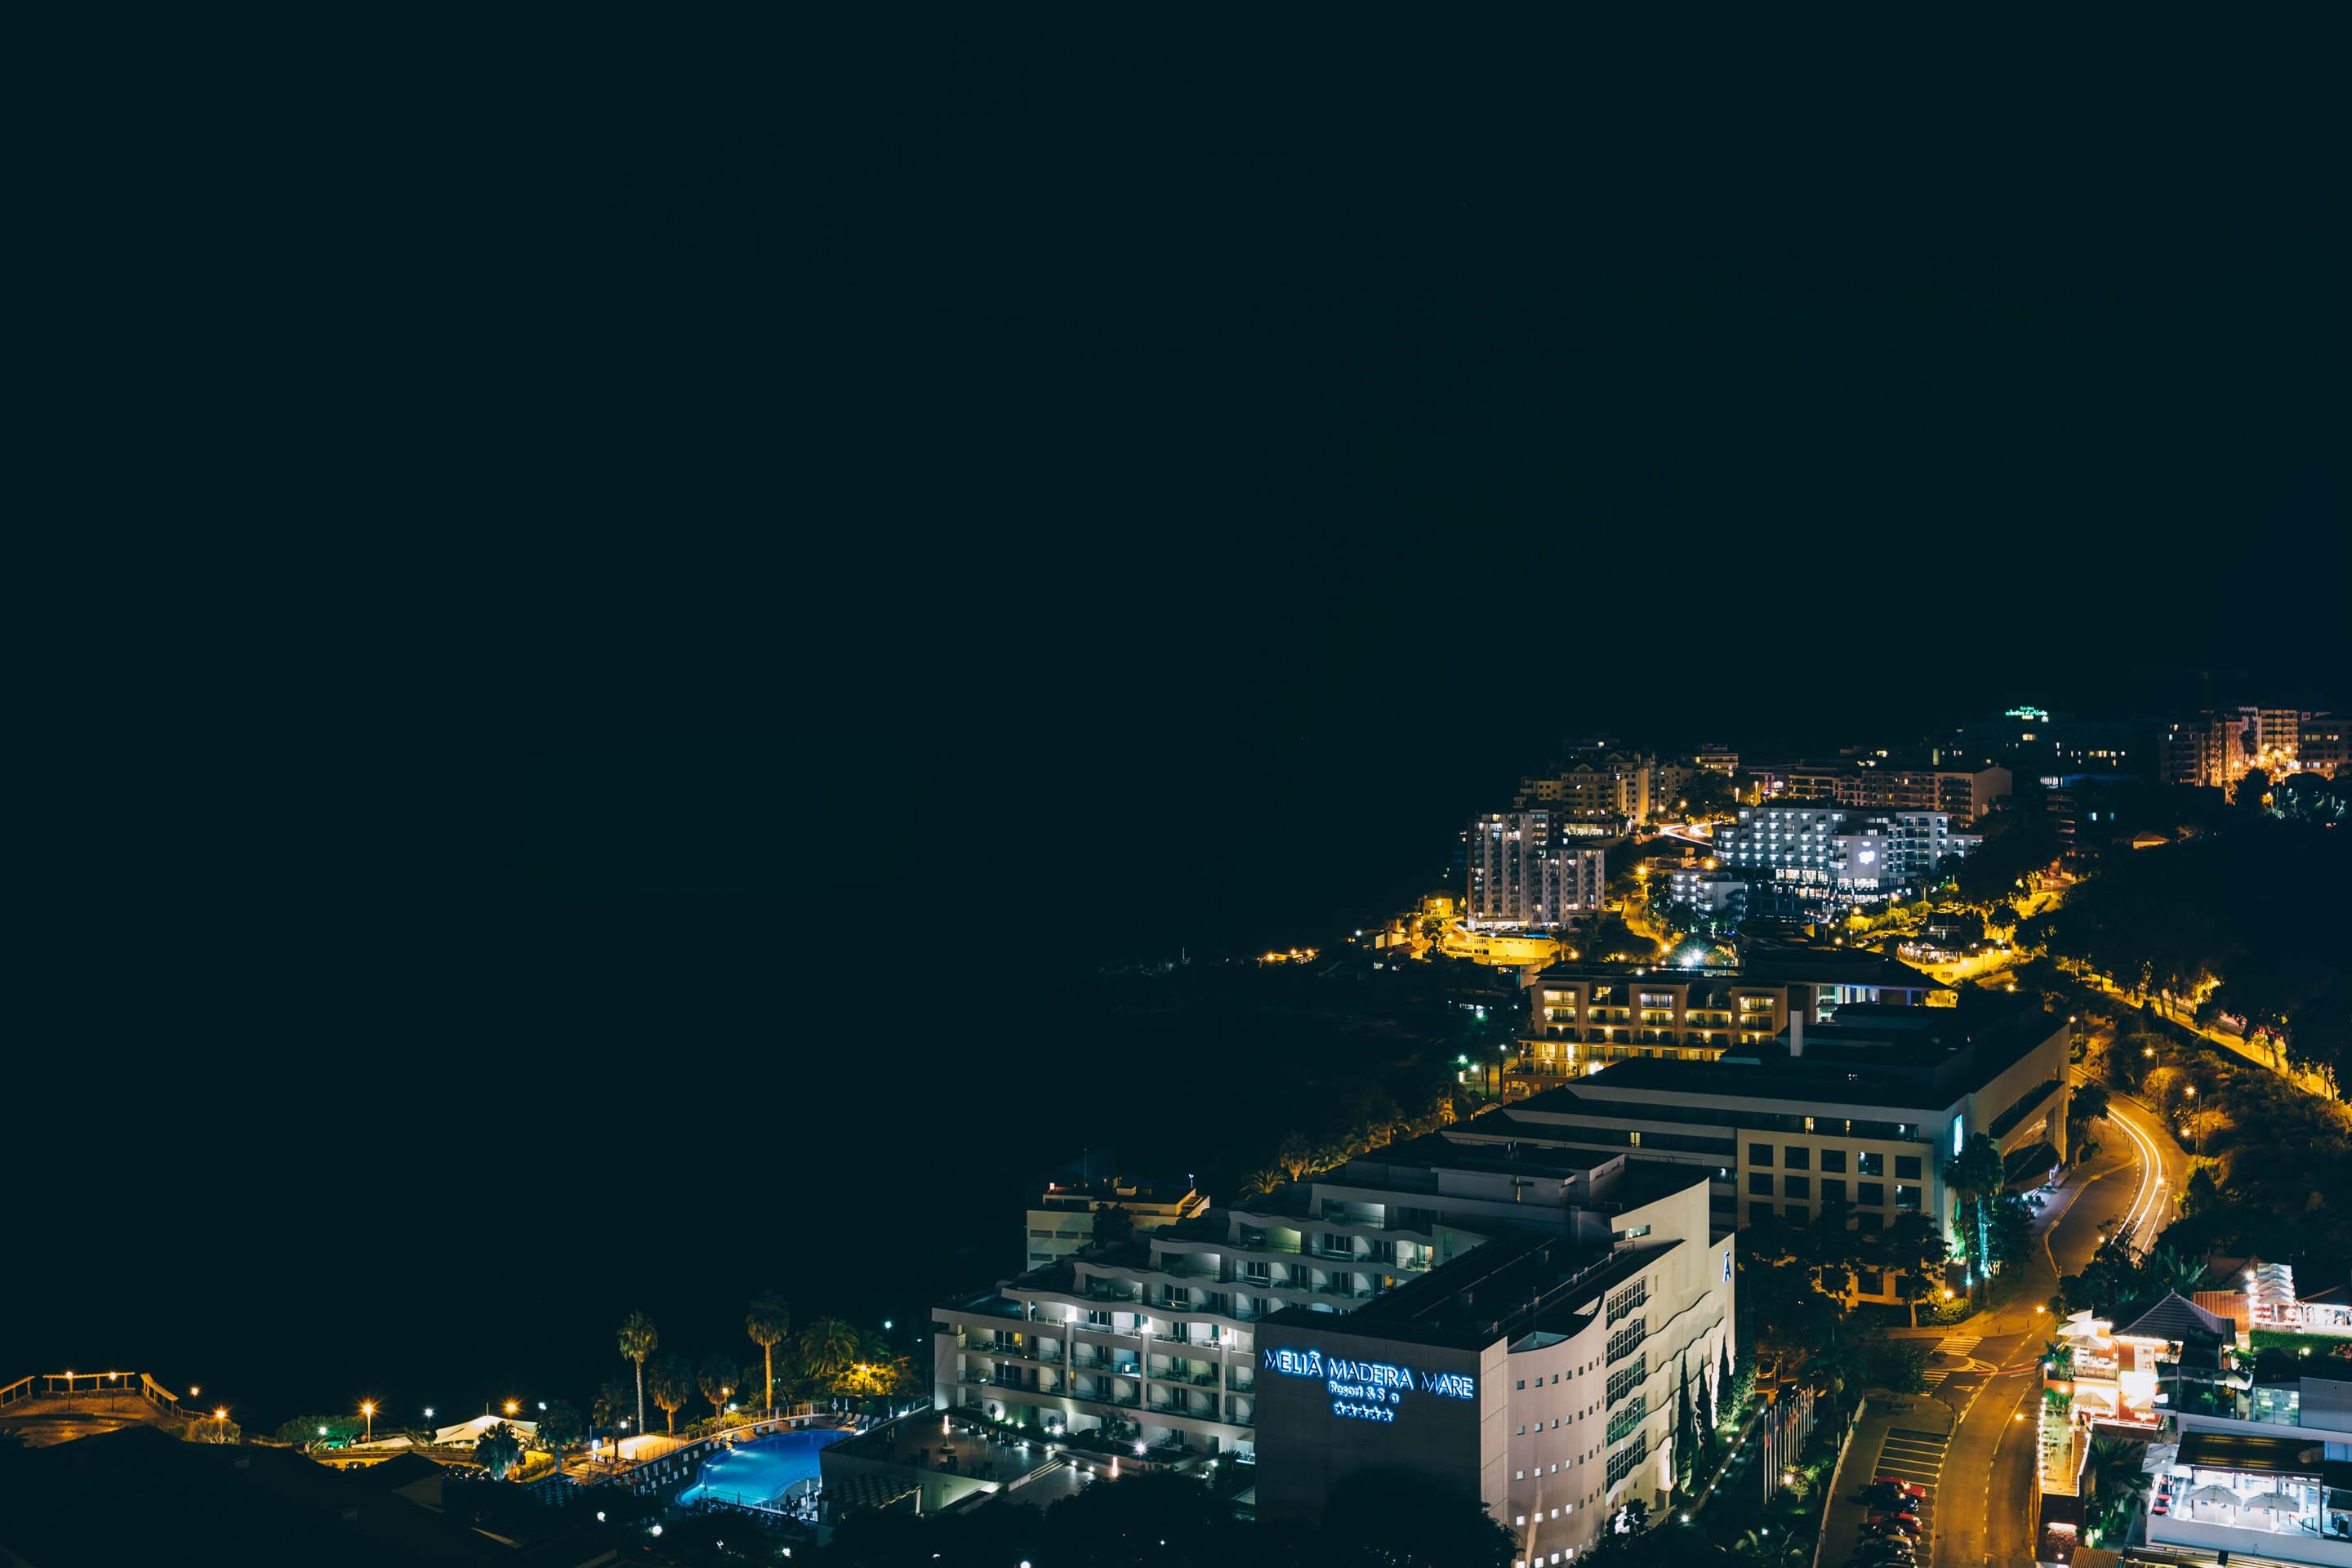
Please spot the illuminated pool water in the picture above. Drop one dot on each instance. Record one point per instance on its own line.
(762, 1469)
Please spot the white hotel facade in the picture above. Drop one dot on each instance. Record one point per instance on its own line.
(1167, 1341)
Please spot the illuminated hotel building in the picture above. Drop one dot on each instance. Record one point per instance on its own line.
(1599, 791)
(1539, 1374)
(1839, 854)
(1582, 1016)
(1524, 874)
(1160, 1341)
(1859, 1111)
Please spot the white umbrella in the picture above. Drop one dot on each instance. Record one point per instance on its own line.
(2273, 1502)
(2214, 1494)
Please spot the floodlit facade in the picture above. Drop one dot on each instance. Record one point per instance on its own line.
(1582, 1016)
(1159, 1342)
(1526, 874)
(1861, 1111)
(1538, 1373)
(1597, 790)
(1838, 855)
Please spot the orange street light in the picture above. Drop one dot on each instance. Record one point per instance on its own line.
(512, 1407)
(367, 1408)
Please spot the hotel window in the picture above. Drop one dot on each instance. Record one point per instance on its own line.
(1870, 1163)
(1833, 1160)
(1906, 1198)
(1907, 1167)
(1759, 1153)
(1759, 1184)
(1832, 1190)
(1797, 1157)
(1798, 1186)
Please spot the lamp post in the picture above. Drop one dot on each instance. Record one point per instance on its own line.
(220, 1428)
(367, 1409)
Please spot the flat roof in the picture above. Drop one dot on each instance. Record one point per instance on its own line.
(1517, 1283)
(1913, 1058)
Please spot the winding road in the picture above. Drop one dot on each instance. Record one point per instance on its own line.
(2134, 1175)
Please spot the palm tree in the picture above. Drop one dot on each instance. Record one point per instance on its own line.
(1293, 1155)
(1260, 1182)
(611, 1406)
(639, 1339)
(499, 1449)
(2115, 1473)
(829, 1347)
(673, 1386)
(1975, 1177)
(769, 1324)
(2059, 1359)
(2175, 1272)
(718, 1380)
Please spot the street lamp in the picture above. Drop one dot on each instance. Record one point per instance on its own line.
(367, 1408)
(512, 1407)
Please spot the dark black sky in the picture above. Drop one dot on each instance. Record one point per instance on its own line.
(579, 520)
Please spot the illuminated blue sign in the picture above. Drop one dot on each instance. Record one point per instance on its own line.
(1368, 1390)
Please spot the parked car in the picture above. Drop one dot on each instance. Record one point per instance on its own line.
(1908, 1489)
(1909, 1523)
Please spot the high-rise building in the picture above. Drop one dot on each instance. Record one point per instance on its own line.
(1840, 854)
(1163, 1340)
(1860, 1110)
(1599, 790)
(2324, 743)
(1526, 872)
(2217, 747)
(1539, 1374)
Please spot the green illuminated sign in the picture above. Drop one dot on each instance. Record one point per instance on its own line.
(2040, 713)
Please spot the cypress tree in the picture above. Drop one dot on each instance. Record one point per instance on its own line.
(1686, 1452)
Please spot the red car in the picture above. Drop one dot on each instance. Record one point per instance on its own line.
(1908, 1489)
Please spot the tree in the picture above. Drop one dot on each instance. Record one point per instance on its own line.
(559, 1425)
(673, 1386)
(718, 1380)
(1442, 1529)
(610, 1409)
(2115, 1473)
(1114, 1223)
(499, 1450)
(1914, 1248)
(829, 1347)
(1260, 1182)
(1294, 1154)
(639, 1339)
(769, 1324)
(1974, 1176)
(2169, 1270)
(1686, 1464)
(1621, 1538)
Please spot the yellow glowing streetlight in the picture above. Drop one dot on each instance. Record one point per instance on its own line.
(512, 1407)
(367, 1408)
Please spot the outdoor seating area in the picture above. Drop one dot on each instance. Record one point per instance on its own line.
(2230, 1490)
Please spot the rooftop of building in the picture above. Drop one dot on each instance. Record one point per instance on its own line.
(1516, 1284)
(1765, 965)
(1905, 1057)
(1124, 1189)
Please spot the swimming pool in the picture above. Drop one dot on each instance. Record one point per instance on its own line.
(762, 1469)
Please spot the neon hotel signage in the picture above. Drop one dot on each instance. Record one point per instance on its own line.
(1368, 1390)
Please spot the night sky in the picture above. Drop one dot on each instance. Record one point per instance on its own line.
(621, 564)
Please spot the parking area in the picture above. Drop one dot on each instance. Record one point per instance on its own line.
(1904, 1444)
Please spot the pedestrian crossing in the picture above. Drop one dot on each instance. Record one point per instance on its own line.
(1955, 1349)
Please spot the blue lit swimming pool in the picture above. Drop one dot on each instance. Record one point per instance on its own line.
(762, 1469)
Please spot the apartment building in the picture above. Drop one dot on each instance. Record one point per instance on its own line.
(1582, 1016)
(1537, 1374)
(2324, 745)
(1874, 784)
(1860, 1110)
(1527, 873)
(1597, 791)
(1062, 1220)
(2217, 747)
(1837, 854)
